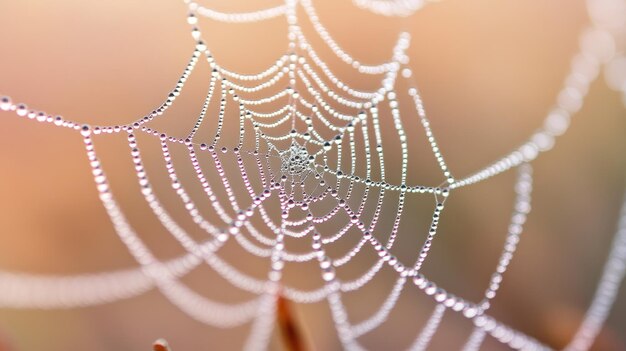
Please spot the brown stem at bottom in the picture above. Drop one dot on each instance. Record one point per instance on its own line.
(292, 336)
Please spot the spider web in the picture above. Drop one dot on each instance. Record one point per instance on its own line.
(314, 161)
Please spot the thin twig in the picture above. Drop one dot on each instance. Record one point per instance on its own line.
(161, 345)
(291, 334)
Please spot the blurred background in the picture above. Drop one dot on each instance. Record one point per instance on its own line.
(489, 72)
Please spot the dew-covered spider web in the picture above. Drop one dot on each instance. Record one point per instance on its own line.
(293, 160)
